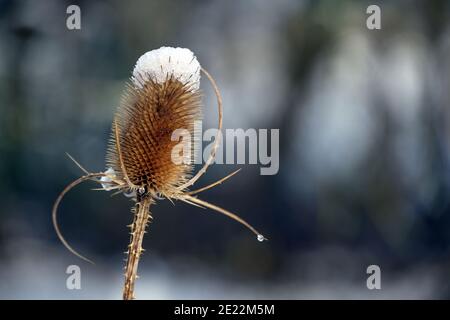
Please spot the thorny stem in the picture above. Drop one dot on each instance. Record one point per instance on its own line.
(141, 218)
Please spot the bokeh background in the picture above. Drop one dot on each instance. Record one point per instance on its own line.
(364, 119)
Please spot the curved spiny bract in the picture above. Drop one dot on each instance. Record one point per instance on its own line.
(146, 120)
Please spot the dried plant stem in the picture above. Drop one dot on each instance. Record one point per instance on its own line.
(141, 218)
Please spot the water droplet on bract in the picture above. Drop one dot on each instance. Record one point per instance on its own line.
(260, 238)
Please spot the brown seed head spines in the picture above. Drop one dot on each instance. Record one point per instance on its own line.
(146, 120)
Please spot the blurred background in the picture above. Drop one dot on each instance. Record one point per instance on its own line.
(364, 177)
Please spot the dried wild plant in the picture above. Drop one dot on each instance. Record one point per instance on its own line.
(163, 96)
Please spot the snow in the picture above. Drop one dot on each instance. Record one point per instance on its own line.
(159, 64)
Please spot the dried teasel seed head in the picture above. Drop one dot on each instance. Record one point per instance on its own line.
(163, 96)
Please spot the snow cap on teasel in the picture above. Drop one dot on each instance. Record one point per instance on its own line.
(162, 63)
